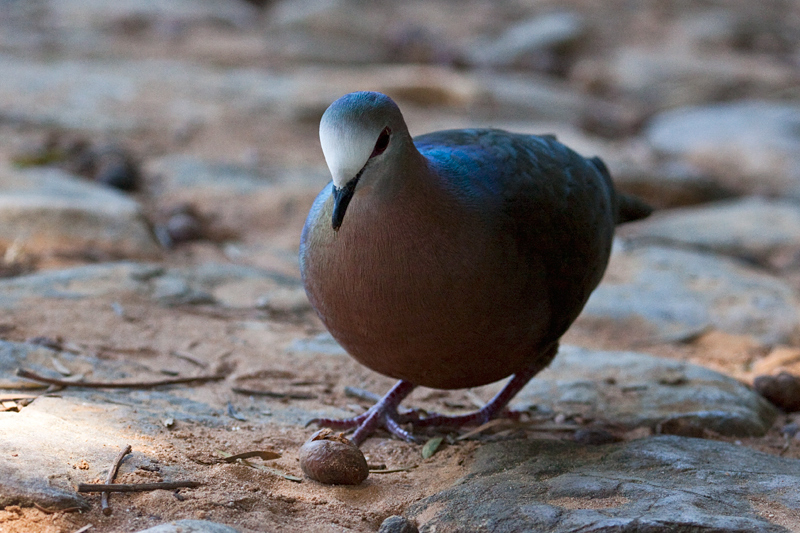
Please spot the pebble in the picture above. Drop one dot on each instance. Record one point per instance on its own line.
(782, 390)
(397, 524)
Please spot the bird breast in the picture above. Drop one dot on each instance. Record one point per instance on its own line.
(419, 291)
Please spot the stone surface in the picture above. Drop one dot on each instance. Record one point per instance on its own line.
(668, 185)
(631, 390)
(752, 146)
(527, 42)
(123, 96)
(754, 229)
(672, 291)
(79, 282)
(224, 284)
(47, 210)
(180, 172)
(667, 77)
(658, 484)
(190, 526)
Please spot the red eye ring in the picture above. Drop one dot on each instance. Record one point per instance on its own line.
(382, 143)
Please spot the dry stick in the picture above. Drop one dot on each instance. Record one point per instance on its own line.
(115, 384)
(45, 510)
(110, 479)
(270, 394)
(136, 487)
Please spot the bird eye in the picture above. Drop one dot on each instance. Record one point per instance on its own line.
(382, 143)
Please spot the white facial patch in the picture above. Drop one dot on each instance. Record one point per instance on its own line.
(347, 144)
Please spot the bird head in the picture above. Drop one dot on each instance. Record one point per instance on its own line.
(358, 133)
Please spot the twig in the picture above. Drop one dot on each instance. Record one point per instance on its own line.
(393, 470)
(85, 528)
(110, 479)
(361, 394)
(270, 394)
(186, 356)
(136, 487)
(116, 384)
(45, 510)
(267, 456)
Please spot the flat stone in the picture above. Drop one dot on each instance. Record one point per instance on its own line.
(323, 343)
(669, 184)
(668, 77)
(99, 14)
(126, 95)
(48, 210)
(224, 284)
(755, 229)
(658, 484)
(638, 390)
(672, 291)
(186, 172)
(751, 146)
(190, 526)
(531, 37)
(80, 282)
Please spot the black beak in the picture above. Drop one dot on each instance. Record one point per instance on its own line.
(341, 199)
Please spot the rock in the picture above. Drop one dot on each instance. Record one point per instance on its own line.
(666, 185)
(397, 524)
(80, 282)
(323, 343)
(123, 96)
(115, 167)
(50, 211)
(329, 31)
(633, 390)
(664, 483)
(240, 285)
(190, 526)
(670, 291)
(182, 172)
(750, 146)
(100, 15)
(752, 229)
(782, 390)
(222, 284)
(666, 77)
(45, 459)
(533, 43)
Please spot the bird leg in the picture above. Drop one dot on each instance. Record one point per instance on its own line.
(385, 411)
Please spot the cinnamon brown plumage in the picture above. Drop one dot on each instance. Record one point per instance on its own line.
(453, 259)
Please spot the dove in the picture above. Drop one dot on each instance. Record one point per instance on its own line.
(452, 259)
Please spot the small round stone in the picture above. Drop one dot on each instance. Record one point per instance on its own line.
(332, 459)
(397, 524)
(782, 390)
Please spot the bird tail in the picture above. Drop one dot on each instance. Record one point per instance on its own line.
(629, 207)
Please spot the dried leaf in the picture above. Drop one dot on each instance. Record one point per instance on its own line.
(265, 455)
(274, 471)
(431, 447)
